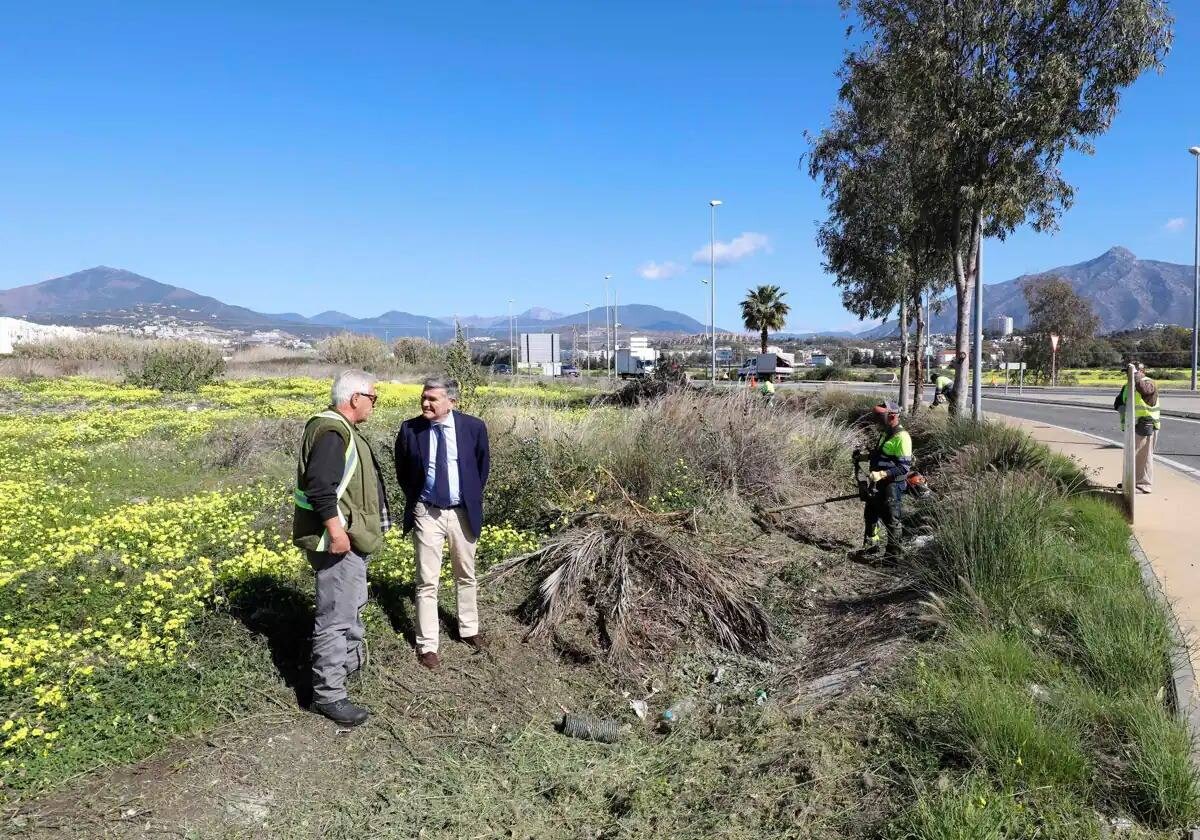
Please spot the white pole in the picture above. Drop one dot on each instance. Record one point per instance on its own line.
(1195, 150)
(712, 279)
(588, 307)
(977, 362)
(1127, 483)
(607, 329)
(512, 362)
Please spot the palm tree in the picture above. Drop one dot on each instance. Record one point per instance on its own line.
(763, 309)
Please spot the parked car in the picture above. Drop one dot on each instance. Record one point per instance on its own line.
(569, 370)
(501, 369)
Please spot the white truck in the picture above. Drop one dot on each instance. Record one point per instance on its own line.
(776, 365)
(633, 366)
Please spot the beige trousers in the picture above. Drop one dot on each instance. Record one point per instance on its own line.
(1143, 460)
(431, 530)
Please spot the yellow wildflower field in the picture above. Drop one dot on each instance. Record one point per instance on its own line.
(93, 590)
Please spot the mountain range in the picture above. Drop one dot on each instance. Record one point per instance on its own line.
(1125, 293)
(104, 295)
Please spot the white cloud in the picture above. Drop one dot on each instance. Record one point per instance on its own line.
(736, 249)
(659, 270)
(1175, 225)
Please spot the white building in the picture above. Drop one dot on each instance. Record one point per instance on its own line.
(821, 360)
(1001, 325)
(13, 331)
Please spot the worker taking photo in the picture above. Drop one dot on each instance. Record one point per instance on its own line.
(889, 463)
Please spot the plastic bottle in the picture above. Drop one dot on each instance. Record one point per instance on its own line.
(673, 715)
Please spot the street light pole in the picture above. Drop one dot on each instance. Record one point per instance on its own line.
(588, 307)
(512, 363)
(607, 328)
(712, 278)
(616, 329)
(1195, 150)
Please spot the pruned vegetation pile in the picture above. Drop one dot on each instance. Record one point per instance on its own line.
(644, 579)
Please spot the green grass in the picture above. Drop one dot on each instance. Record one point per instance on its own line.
(1050, 669)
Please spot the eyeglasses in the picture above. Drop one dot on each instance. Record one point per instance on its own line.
(371, 397)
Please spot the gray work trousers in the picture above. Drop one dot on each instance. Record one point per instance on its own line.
(337, 640)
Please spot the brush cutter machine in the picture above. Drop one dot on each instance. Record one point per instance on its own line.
(915, 485)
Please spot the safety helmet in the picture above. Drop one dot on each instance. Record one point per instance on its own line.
(889, 412)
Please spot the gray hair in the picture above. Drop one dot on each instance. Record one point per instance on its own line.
(349, 383)
(450, 386)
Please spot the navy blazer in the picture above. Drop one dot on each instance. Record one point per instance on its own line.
(474, 462)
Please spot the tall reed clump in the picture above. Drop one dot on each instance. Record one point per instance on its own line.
(681, 450)
(116, 349)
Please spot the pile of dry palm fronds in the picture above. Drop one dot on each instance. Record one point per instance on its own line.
(643, 579)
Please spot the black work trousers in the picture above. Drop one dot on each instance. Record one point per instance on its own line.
(883, 506)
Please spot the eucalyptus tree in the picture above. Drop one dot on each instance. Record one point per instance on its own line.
(876, 243)
(999, 91)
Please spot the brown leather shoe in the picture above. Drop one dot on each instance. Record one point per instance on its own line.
(478, 641)
(429, 659)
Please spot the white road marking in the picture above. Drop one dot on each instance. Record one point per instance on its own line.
(1183, 468)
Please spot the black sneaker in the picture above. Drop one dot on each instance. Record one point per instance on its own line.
(342, 712)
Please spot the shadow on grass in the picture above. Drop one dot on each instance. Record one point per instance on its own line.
(396, 601)
(283, 615)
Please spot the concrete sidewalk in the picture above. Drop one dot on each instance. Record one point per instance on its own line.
(1164, 522)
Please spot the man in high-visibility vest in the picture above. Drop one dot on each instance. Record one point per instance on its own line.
(889, 462)
(943, 390)
(1147, 422)
(341, 517)
(767, 389)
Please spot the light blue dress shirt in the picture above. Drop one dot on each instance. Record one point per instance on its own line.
(447, 425)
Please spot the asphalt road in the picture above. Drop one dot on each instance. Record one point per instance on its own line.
(1179, 439)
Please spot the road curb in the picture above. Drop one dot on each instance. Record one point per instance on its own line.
(1166, 412)
(1183, 699)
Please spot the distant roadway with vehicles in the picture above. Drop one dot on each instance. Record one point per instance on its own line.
(1087, 410)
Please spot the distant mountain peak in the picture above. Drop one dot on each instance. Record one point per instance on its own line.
(1119, 252)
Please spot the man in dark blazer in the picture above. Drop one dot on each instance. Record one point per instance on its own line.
(442, 463)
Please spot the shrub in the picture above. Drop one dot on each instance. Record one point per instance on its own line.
(418, 351)
(353, 350)
(177, 366)
(460, 366)
(825, 374)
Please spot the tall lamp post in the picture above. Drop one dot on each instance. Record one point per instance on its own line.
(712, 280)
(512, 362)
(1195, 150)
(607, 328)
(588, 307)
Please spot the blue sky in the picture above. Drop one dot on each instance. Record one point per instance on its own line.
(441, 158)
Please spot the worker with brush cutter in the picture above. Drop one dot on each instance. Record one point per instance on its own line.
(882, 491)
